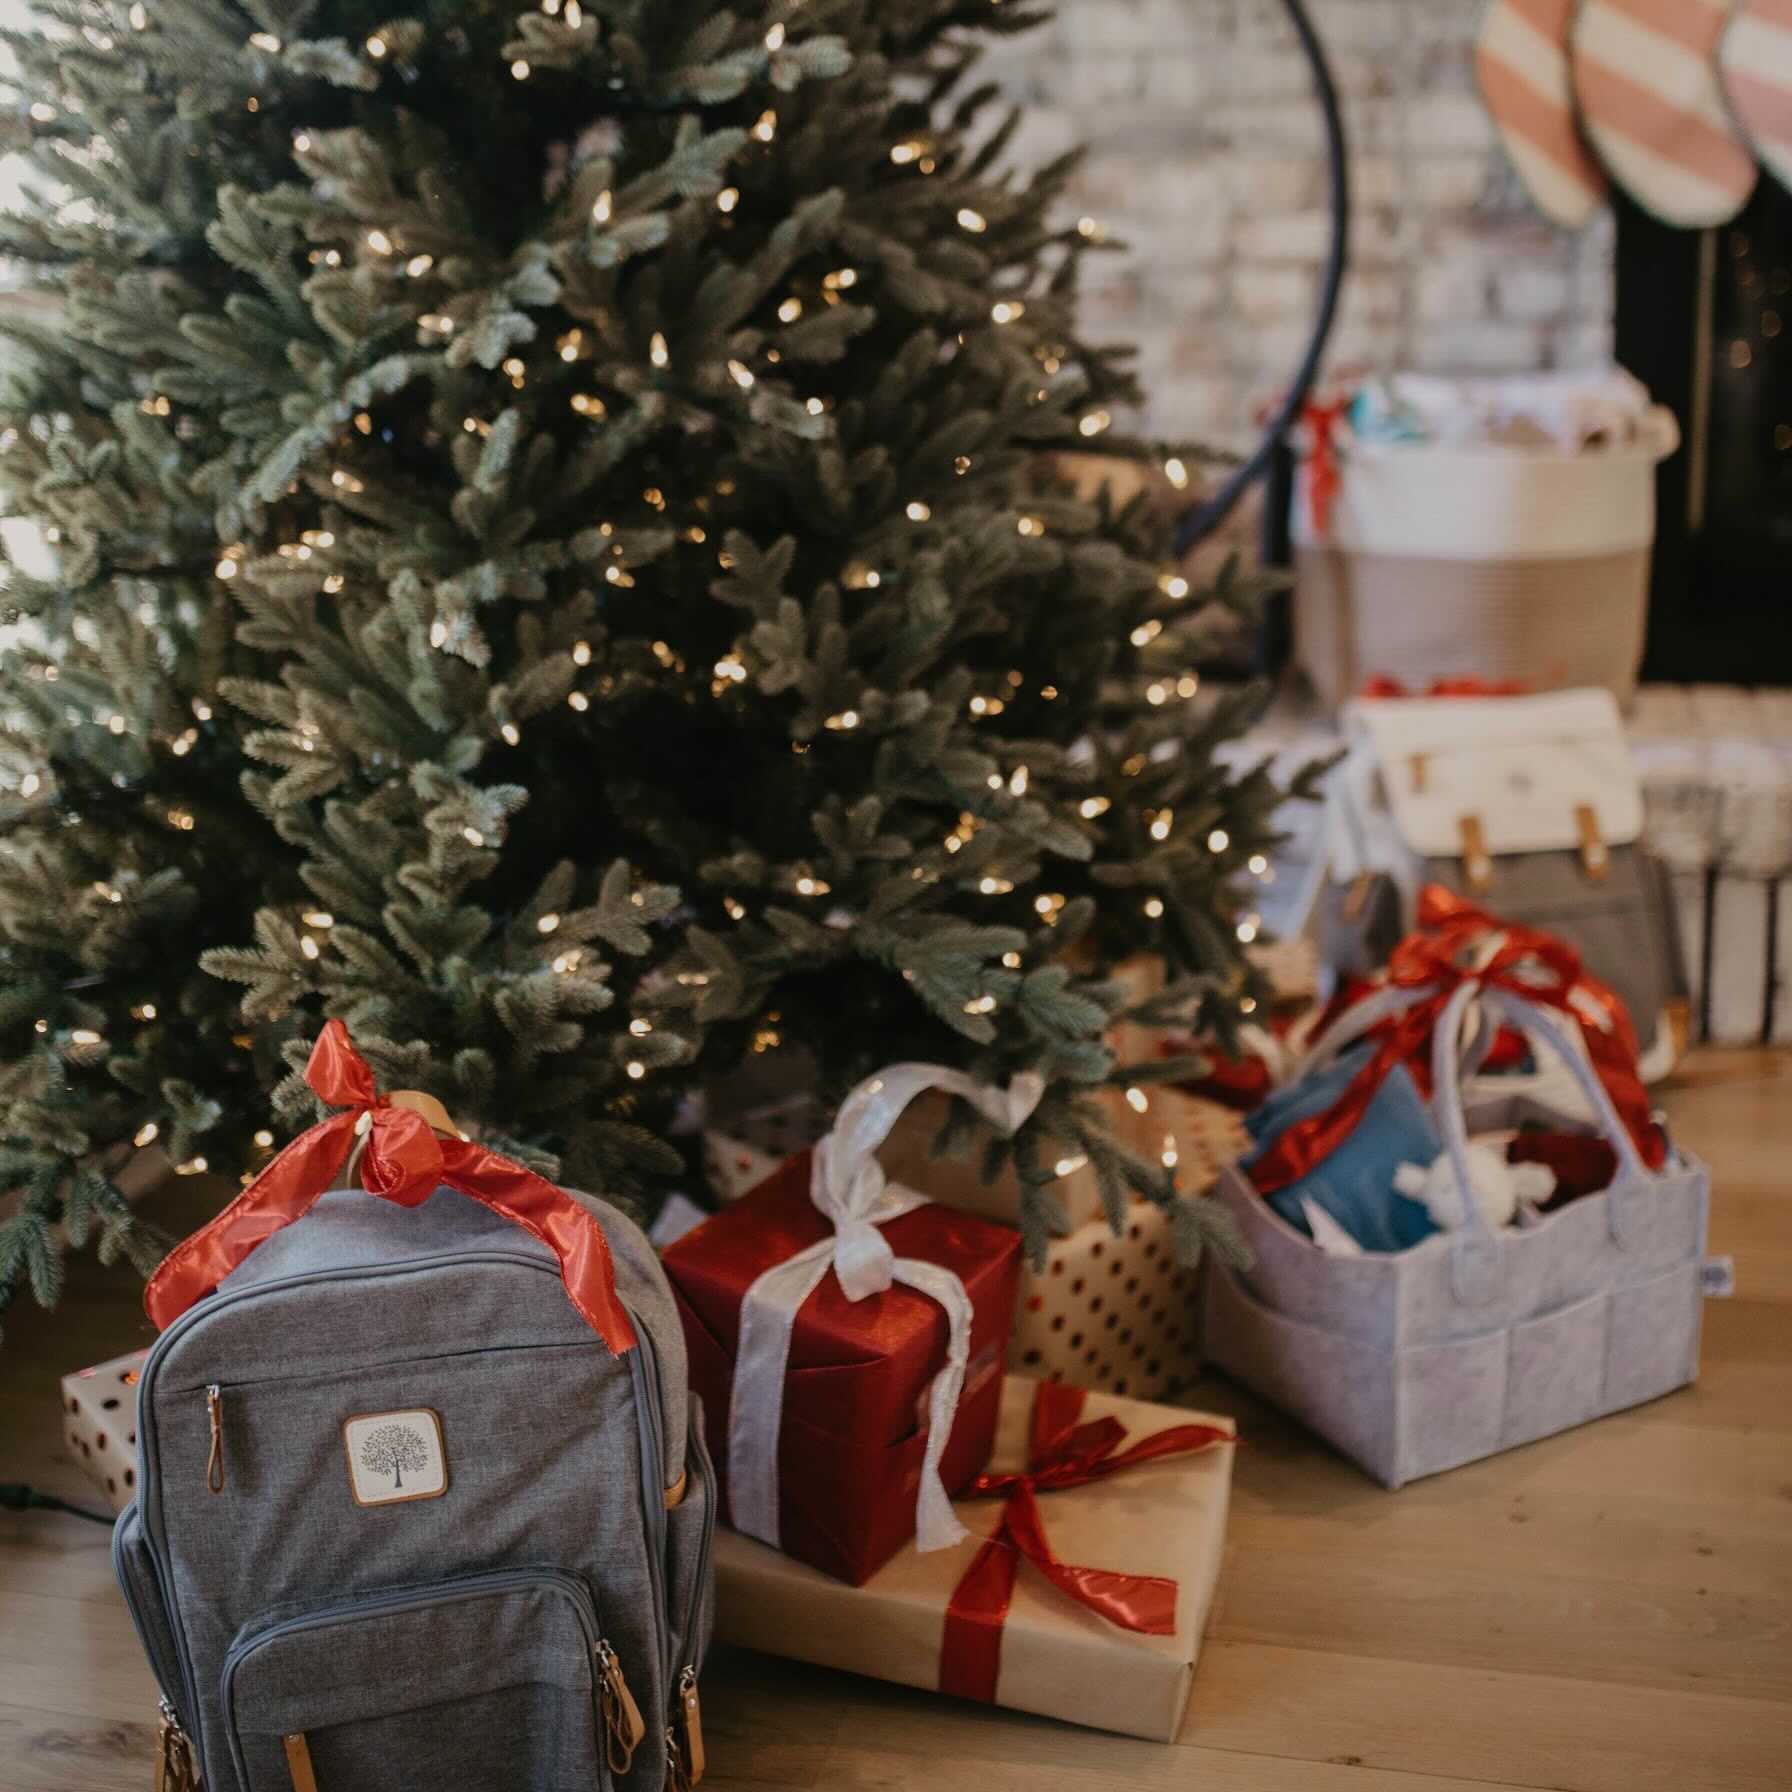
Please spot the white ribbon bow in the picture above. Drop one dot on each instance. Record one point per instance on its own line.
(847, 1184)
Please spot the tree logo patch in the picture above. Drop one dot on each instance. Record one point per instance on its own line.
(395, 1456)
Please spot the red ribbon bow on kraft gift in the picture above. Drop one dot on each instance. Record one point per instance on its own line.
(405, 1162)
(1535, 965)
(1061, 1453)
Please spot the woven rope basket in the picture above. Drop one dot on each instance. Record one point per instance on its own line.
(1479, 561)
(1554, 624)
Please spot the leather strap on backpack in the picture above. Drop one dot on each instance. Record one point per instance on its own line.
(298, 1762)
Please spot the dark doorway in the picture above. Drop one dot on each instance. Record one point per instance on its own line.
(1704, 319)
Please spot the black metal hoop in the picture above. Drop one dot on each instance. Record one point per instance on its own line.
(1273, 456)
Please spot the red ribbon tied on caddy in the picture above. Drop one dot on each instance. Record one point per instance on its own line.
(1536, 965)
(405, 1162)
(1061, 1453)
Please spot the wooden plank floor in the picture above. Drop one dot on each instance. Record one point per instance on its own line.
(1606, 1611)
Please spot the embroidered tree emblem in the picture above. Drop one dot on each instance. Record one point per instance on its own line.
(391, 1449)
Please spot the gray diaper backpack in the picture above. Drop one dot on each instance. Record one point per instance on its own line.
(404, 1520)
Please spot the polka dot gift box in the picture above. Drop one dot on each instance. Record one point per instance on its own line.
(99, 1424)
(1119, 1313)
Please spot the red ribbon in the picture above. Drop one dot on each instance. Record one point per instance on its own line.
(1535, 965)
(405, 1161)
(1381, 686)
(1061, 1453)
(1323, 476)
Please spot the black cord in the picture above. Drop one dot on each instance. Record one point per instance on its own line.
(1203, 518)
(15, 1496)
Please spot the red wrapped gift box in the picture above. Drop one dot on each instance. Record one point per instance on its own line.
(855, 1404)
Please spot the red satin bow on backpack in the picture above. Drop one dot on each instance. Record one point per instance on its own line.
(1530, 963)
(1061, 1453)
(405, 1162)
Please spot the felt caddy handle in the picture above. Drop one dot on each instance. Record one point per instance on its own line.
(1476, 1242)
(1463, 957)
(402, 1159)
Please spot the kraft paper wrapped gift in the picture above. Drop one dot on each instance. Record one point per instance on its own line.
(99, 1424)
(1196, 1138)
(1164, 1519)
(955, 1177)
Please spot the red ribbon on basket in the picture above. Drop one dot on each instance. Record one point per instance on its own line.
(1061, 1453)
(1323, 476)
(1533, 964)
(405, 1162)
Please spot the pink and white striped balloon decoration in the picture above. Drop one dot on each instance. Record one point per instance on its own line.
(1645, 76)
(1755, 62)
(1521, 64)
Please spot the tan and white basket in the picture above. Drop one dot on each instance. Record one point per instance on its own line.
(1489, 562)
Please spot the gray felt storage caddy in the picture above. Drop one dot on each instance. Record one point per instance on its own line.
(1473, 1341)
(403, 1517)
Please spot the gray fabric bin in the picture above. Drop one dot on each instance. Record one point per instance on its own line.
(1472, 1341)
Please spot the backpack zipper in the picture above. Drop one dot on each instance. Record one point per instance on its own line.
(624, 1726)
(174, 1755)
(214, 1462)
(687, 1750)
(678, 1776)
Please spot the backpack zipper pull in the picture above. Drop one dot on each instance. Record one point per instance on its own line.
(624, 1725)
(677, 1775)
(691, 1708)
(174, 1756)
(214, 1463)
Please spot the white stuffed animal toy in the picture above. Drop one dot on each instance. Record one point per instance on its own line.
(1501, 1188)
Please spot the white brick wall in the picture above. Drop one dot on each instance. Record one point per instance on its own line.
(1207, 159)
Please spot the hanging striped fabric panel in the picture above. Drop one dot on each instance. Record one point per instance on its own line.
(1645, 77)
(1755, 62)
(1521, 63)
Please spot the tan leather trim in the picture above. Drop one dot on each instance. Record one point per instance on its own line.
(675, 1493)
(420, 1102)
(1477, 864)
(1595, 859)
(298, 1762)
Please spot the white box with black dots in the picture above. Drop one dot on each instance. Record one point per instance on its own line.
(99, 1424)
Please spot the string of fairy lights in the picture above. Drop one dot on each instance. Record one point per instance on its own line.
(731, 672)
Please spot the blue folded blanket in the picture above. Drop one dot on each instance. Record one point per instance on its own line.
(1355, 1184)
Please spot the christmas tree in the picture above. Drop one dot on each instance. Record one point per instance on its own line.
(557, 556)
